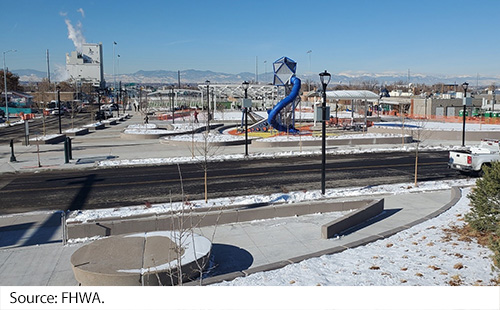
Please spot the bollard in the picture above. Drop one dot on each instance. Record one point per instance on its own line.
(64, 236)
(66, 153)
(12, 157)
(70, 149)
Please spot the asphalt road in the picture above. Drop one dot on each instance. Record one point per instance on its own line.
(107, 188)
(36, 126)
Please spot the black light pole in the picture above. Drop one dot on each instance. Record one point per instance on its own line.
(172, 94)
(208, 105)
(464, 86)
(59, 107)
(245, 88)
(325, 79)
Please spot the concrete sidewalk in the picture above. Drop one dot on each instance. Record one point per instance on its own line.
(31, 250)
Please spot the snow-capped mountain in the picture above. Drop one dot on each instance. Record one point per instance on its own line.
(345, 78)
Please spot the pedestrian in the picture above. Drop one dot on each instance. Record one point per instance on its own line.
(146, 120)
(196, 116)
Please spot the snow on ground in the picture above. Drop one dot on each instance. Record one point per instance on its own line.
(291, 197)
(44, 138)
(211, 137)
(306, 114)
(71, 130)
(142, 126)
(423, 255)
(223, 157)
(318, 138)
(93, 124)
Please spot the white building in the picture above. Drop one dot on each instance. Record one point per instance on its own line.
(87, 66)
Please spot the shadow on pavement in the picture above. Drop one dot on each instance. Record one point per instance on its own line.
(227, 258)
(12, 234)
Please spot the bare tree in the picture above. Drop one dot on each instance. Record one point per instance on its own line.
(419, 134)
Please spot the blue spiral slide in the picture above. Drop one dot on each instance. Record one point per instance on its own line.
(274, 113)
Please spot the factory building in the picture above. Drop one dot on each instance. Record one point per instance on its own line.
(86, 66)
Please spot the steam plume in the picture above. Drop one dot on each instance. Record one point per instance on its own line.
(81, 11)
(75, 34)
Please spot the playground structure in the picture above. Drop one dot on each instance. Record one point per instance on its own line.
(282, 116)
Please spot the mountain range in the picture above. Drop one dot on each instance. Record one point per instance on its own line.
(199, 77)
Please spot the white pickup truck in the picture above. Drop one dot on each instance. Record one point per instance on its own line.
(476, 157)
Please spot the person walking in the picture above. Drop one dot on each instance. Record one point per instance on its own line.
(146, 120)
(196, 116)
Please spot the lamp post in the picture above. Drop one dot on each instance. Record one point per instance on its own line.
(207, 82)
(493, 102)
(171, 95)
(309, 84)
(464, 86)
(325, 79)
(99, 105)
(59, 106)
(245, 85)
(5, 84)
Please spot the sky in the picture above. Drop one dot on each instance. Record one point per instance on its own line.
(426, 37)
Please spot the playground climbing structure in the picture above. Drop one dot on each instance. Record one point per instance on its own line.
(282, 116)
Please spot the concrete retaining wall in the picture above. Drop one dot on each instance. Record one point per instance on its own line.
(332, 142)
(54, 140)
(210, 217)
(96, 127)
(131, 136)
(79, 132)
(363, 214)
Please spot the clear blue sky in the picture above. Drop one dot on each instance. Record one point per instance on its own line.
(430, 37)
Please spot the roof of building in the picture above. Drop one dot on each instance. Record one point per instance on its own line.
(351, 94)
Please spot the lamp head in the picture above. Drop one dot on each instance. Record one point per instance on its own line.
(245, 85)
(325, 78)
(207, 82)
(465, 85)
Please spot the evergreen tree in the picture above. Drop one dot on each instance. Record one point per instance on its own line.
(485, 201)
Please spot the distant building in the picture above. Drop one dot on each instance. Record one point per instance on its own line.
(87, 66)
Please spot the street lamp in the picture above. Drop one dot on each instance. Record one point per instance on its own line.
(171, 95)
(59, 106)
(465, 85)
(5, 84)
(99, 93)
(207, 82)
(245, 85)
(325, 79)
(309, 53)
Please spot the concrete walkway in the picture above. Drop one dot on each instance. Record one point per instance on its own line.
(31, 250)
(32, 253)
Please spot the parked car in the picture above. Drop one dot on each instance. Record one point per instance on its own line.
(474, 159)
(103, 114)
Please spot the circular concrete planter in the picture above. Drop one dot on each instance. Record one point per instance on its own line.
(148, 259)
(148, 134)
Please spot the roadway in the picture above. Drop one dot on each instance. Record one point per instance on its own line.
(108, 188)
(37, 126)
